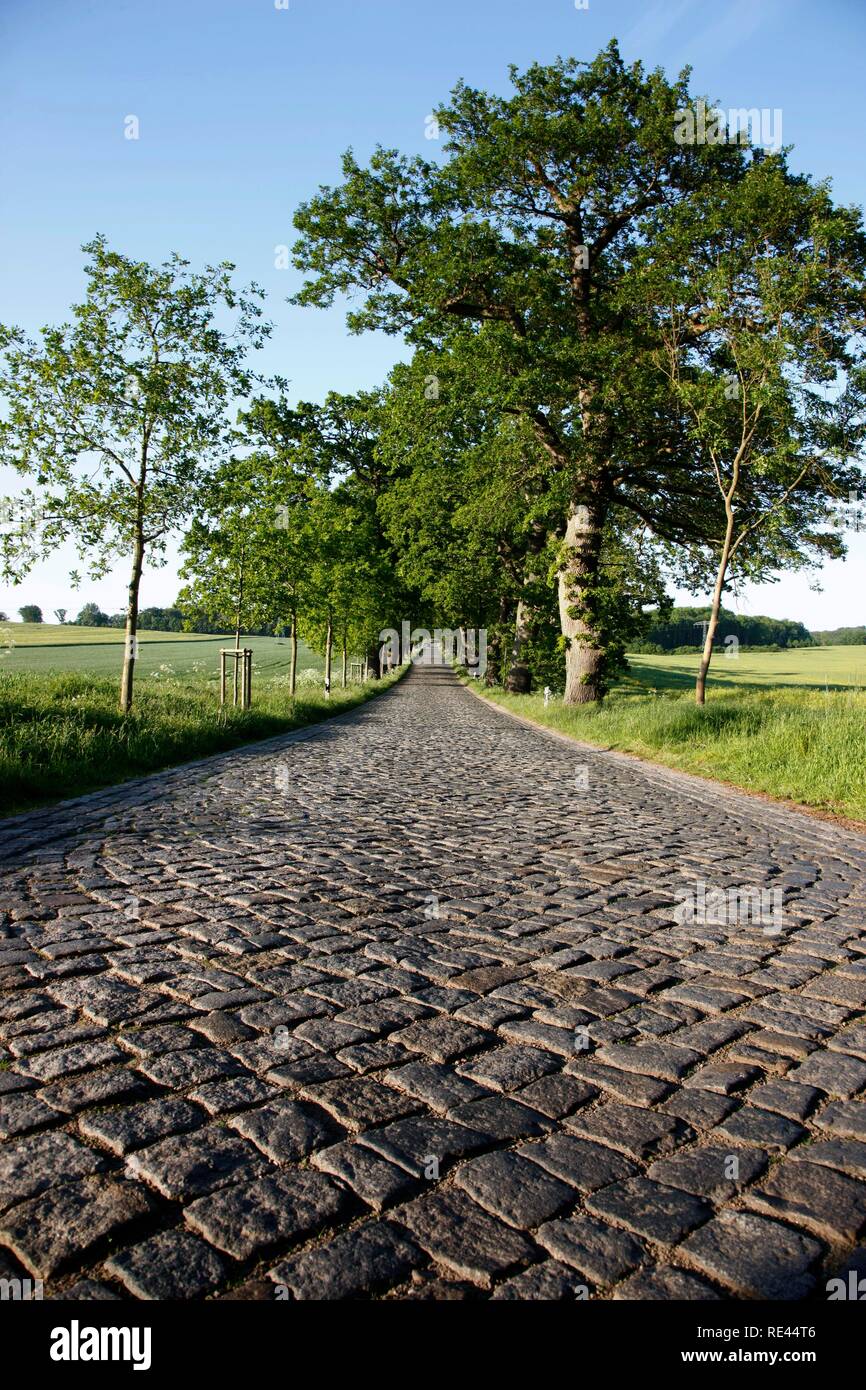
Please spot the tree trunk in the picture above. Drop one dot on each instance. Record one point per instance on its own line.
(131, 625)
(345, 658)
(238, 608)
(497, 644)
(329, 647)
(585, 656)
(713, 625)
(519, 679)
(293, 677)
(374, 669)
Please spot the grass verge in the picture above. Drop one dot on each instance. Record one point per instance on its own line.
(803, 746)
(63, 735)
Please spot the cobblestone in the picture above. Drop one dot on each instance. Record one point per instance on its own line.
(598, 1250)
(421, 1027)
(173, 1264)
(753, 1257)
(514, 1189)
(358, 1262)
(65, 1223)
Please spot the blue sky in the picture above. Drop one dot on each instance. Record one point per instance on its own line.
(245, 108)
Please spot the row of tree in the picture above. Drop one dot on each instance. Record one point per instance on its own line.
(635, 361)
(841, 637)
(152, 619)
(686, 627)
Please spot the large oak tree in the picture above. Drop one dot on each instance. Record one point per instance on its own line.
(530, 241)
(526, 235)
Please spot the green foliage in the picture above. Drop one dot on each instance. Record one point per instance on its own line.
(685, 626)
(841, 637)
(91, 615)
(121, 415)
(30, 613)
(160, 620)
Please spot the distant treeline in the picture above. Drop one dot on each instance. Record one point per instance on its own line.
(164, 620)
(841, 637)
(683, 630)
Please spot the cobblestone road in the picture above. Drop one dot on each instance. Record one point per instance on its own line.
(404, 1007)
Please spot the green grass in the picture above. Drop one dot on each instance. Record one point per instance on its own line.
(818, 667)
(69, 635)
(62, 734)
(764, 729)
(162, 655)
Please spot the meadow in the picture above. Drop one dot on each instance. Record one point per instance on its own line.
(789, 724)
(43, 648)
(816, 667)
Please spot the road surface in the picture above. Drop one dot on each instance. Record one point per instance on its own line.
(423, 1003)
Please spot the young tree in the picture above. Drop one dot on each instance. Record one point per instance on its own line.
(266, 543)
(226, 583)
(774, 389)
(122, 414)
(60, 615)
(284, 469)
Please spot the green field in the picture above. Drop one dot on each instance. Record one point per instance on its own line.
(788, 724)
(70, 635)
(818, 667)
(48, 648)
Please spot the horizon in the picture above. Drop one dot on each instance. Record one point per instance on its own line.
(218, 180)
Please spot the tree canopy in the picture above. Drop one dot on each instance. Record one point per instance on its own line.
(542, 253)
